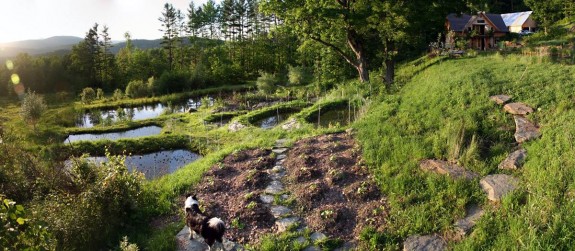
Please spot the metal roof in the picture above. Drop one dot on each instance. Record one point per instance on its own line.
(516, 19)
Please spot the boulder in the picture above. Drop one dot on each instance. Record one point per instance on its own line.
(500, 99)
(424, 243)
(525, 130)
(444, 167)
(235, 126)
(498, 185)
(291, 124)
(514, 160)
(518, 108)
(317, 236)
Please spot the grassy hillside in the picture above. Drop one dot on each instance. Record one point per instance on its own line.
(444, 112)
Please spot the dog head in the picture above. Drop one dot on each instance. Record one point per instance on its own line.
(191, 204)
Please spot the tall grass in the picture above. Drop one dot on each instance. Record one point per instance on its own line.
(444, 112)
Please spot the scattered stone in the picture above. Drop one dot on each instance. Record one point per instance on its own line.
(281, 157)
(284, 197)
(266, 199)
(424, 243)
(444, 167)
(279, 150)
(463, 226)
(291, 124)
(525, 130)
(280, 162)
(498, 185)
(312, 248)
(317, 236)
(514, 160)
(500, 99)
(280, 211)
(301, 240)
(275, 187)
(235, 126)
(518, 108)
(278, 176)
(348, 246)
(278, 169)
(285, 223)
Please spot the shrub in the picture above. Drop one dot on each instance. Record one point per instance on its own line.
(99, 94)
(88, 95)
(171, 82)
(137, 89)
(33, 106)
(118, 94)
(266, 83)
(106, 203)
(20, 233)
(298, 75)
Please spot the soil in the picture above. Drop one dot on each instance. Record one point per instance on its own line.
(331, 190)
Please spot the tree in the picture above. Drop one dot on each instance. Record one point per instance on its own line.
(106, 59)
(33, 106)
(170, 18)
(339, 25)
(88, 95)
(547, 12)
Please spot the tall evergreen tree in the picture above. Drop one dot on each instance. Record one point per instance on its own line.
(170, 18)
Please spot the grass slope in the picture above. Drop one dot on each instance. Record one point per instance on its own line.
(444, 112)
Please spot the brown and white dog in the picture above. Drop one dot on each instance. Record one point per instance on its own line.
(210, 228)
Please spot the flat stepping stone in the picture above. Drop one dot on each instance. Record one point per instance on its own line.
(312, 248)
(424, 243)
(500, 99)
(464, 226)
(525, 130)
(278, 169)
(348, 246)
(279, 150)
(444, 167)
(281, 157)
(514, 160)
(280, 211)
(277, 176)
(279, 162)
(300, 240)
(275, 187)
(498, 185)
(518, 108)
(317, 236)
(266, 199)
(281, 142)
(285, 223)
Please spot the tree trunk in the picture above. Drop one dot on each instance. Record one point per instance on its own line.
(389, 72)
(356, 45)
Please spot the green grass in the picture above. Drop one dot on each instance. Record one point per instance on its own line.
(426, 119)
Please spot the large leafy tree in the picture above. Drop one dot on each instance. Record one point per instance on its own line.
(338, 24)
(547, 12)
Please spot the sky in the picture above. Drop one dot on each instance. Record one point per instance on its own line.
(38, 19)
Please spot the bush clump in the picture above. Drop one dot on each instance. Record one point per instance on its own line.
(267, 82)
(88, 95)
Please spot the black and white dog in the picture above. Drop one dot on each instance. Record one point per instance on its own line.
(210, 228)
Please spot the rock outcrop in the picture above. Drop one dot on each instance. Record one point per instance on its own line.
(498, 185)
(518, 109)
(525, 130)
(514, 160)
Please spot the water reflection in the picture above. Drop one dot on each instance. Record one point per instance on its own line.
(139, 132)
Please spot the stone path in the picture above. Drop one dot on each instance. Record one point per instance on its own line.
(183, 243)
(495, 186)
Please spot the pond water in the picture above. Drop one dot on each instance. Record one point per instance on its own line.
(110, 116)
(134, 133)
(272, 121)
(341, 117)
(154, 165)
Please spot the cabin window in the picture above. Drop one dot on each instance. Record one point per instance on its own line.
(480, 21)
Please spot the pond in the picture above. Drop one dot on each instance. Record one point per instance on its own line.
(134, 133)
(109, 116)
(153, 165)
(334, 117)
(273, 120)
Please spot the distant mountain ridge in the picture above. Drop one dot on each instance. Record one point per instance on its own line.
(61, 45)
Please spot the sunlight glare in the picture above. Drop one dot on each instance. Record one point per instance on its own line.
(15, 79)
(10, 65)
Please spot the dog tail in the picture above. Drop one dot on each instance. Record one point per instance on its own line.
(218, 226)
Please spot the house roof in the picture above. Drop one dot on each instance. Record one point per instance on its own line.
(459, 21)
(497, 20)
(516, 19)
